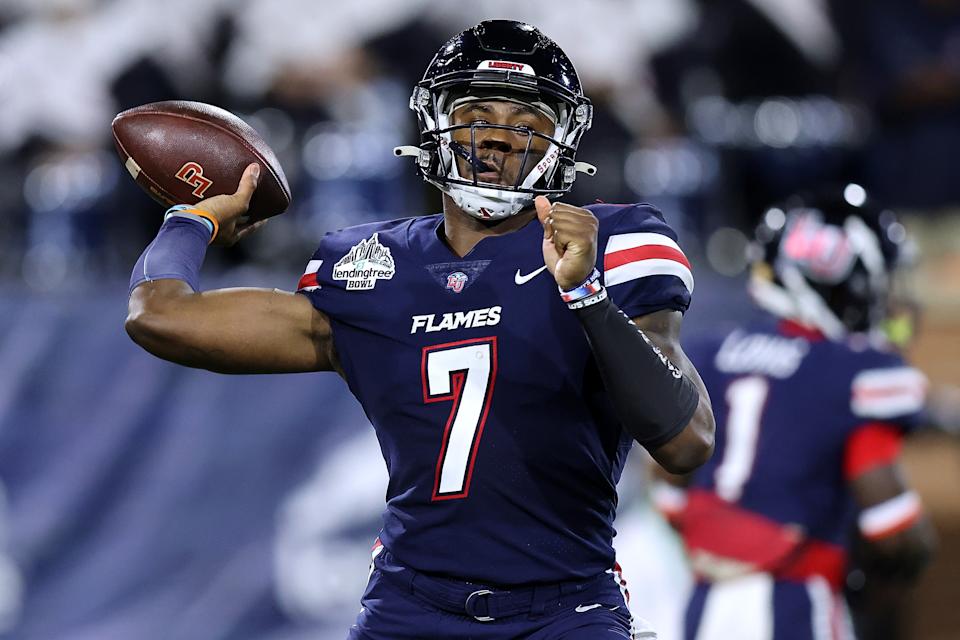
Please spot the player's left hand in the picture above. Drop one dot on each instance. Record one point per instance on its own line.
(569, 241)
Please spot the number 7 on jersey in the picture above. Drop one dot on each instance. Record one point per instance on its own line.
(462, 372)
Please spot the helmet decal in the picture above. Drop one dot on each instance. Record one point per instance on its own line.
(506, 65)
(827, 260)
(822, 251)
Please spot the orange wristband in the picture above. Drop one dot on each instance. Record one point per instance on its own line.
(206, 216)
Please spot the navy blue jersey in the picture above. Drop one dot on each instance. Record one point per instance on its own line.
(787, 407)
(501, 445)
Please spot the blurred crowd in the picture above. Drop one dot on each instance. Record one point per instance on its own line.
(709, 108)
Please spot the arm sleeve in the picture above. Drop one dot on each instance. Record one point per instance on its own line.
(643, 267)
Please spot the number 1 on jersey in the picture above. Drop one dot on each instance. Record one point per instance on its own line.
(746, 398)
(462, 372)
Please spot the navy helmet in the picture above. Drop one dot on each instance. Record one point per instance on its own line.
(506, 60)
(827, 259)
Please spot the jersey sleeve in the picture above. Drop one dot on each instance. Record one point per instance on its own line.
(888, 389)
(869, 446)
(887, 400)
(644, 269)
(317, 283)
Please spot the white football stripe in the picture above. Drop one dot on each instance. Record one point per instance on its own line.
(888, 377)
(312, 267)
(650, 267)
(882, 518)
(885, 393)
(821, 608)
(623, 241)
(726, 601)
(889, 407)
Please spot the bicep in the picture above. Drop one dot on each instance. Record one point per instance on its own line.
(231, 330)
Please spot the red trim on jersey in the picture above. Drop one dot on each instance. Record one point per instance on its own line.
(644, 252)
(871, 445)
(886, 392)
(456, 385)
(621, 581)
(793, 329)
(308, 280)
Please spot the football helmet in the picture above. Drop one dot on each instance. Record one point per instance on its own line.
(827, 260)
(499, 60)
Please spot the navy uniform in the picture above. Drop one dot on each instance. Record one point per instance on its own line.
(501, 445)
(807, 399)
(767, 520)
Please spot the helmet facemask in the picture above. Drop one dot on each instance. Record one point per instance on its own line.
(455, 164)
(499, 60)
(547, 165)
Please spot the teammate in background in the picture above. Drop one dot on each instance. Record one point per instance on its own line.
(504, 408)
(812, 409)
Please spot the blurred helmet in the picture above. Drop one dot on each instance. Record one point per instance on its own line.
(502, 60)
(827, 260)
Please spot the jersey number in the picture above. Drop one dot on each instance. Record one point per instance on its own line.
(746, 398)
(463, 373)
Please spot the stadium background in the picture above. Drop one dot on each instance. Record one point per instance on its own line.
(143, 500)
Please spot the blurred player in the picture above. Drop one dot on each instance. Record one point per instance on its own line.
(504, 408)
(813, 407)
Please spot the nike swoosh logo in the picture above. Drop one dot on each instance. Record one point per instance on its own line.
(581, 608)
(521, 279)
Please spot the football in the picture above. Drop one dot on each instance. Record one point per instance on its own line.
(182, 152)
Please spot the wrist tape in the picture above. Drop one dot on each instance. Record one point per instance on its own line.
(186, 211)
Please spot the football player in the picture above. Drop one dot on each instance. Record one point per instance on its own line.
(814, 405)
(504, 407)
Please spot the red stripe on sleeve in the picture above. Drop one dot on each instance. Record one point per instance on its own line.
(308, 280)
(872, 445)
(646, 252)
(886, 392)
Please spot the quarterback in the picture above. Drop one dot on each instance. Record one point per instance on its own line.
(508, 351)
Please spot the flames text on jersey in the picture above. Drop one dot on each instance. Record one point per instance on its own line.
(487, 317)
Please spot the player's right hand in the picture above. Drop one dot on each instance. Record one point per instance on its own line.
(229, 210)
